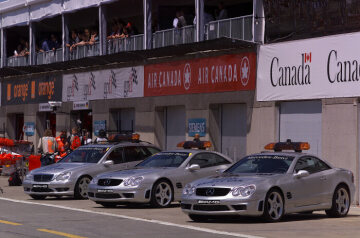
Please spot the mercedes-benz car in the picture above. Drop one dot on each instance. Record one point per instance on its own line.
(158, 180)
(71, 175)
(272, 184)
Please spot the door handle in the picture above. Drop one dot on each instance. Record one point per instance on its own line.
(323, 178)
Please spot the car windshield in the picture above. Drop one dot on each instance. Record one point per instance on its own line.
(165, 159)
(85, 155)
(274, 164)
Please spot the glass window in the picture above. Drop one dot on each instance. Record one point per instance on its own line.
(135, 153)
(85, 155)
(116, 155)
(153, 150)
(274, 164)
(310, 164)
(205, 160)
(165, 159)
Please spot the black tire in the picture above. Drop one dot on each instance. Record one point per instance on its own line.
(108, 204)
(340, 202)
(162, 194)
(38, 197)
(80, 191)
(274, 206)
(198, 218)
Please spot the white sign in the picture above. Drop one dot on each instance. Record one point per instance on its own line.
(325, 67)
(44, 107)
(83, 105)
(104, 84)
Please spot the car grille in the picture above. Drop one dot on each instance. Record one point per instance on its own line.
(41, 190)
(43, 177)
(212, 192)
(211, 208)
(109, 182)
(185, 206)
(107, 195)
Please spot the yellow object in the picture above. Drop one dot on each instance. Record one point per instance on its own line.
(10, 223)
(60, 233)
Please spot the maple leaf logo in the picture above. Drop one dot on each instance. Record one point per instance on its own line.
(245, 71)
(187, 76)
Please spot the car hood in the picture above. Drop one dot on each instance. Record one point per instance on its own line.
(135, 172)
(231, 180)
(61, 167)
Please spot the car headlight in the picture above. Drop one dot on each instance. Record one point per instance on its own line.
(189, 189)
(133, 181)
(63, 176)
(244, 191)
(29, 177)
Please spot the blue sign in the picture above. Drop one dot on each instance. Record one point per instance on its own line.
(98, 125)
(29, 128)
(197, 126)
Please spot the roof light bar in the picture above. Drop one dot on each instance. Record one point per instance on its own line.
(194, 144)
(288, 145)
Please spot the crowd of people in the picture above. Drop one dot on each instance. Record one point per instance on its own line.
(49, 145)
(120, 29)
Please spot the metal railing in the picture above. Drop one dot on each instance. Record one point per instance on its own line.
(85, 51)
(174, 36)
(49, 57)
(14, 61)
(130, 43)
(236, 28)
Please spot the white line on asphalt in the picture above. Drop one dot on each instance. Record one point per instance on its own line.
(138, 219)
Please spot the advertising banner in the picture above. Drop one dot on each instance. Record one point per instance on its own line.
(205, 75)
(82, 105)
(98, 125)
(326, 67)
(29, 128)
(197, 126)
(31, 90)
(45, 107)
(104, 84)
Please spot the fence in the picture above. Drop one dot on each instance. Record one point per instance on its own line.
(131, 43)
(174, 36)
(49, 57)
(14, 61)
(85, 51)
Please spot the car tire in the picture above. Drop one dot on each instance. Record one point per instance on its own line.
(162, 194)
(273, 206)
(108, 204)
(340, 202)
(80, 191)
(198, 218)
(38, 197)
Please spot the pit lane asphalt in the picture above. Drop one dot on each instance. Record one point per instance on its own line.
(83, 218)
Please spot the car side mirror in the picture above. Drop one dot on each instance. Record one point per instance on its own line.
(220, 171)
(108, 163)
(301, 174)
(194, 167)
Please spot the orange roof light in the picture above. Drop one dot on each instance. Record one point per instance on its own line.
(135, 136)
(288, 145)
(194, 144)
(124, 137)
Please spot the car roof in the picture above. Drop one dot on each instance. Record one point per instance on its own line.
(121, 144)
(285, 153)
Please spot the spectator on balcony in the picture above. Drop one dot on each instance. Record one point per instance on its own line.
(94, 37)
(130, 29)
(18, 50)
(73, 40)
(114, 30)
(222, 12)
(179, 21)
(53, 43)
(86, 35)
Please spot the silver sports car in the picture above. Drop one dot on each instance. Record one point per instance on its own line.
(271, 184)
(158, 180)
(71, 175)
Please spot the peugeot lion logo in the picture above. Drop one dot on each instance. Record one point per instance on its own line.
(210, 192)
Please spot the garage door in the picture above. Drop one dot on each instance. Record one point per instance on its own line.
(301, 121)
(124, 120)
(175, 126)
(233, 130)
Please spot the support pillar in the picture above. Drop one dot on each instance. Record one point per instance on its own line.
(102, 29)
(32, 43)
(199, 9)
(65, 36)
(147, 4)
(3, 48)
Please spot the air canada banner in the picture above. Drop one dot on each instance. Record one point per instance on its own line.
(104, 84)
(326, 67)
(205, 75)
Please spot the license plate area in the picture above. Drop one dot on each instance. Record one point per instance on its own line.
(208, 202)
(105, 191)
(40, 186)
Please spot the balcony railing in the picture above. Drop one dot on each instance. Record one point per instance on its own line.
(174, 36)
(14, 61)
(131, 43)
(85, 51)
(49, 57)
(235, 28)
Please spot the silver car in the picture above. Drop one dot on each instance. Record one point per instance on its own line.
(271, 184)
(71, 175)
(158, 180)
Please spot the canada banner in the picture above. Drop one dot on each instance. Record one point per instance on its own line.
(205, 75)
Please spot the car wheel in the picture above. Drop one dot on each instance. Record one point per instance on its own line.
(81, 187)
(340, 203)
(108, 204)
(161, 194)
(274, 206)
(38, 197)
(198, 218)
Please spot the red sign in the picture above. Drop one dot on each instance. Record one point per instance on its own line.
(206, 75)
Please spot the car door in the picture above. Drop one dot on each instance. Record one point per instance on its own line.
(307, 191)
(117, 156)
(209, 164)
(136, 154)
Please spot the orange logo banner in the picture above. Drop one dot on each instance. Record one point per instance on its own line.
(206, 75)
